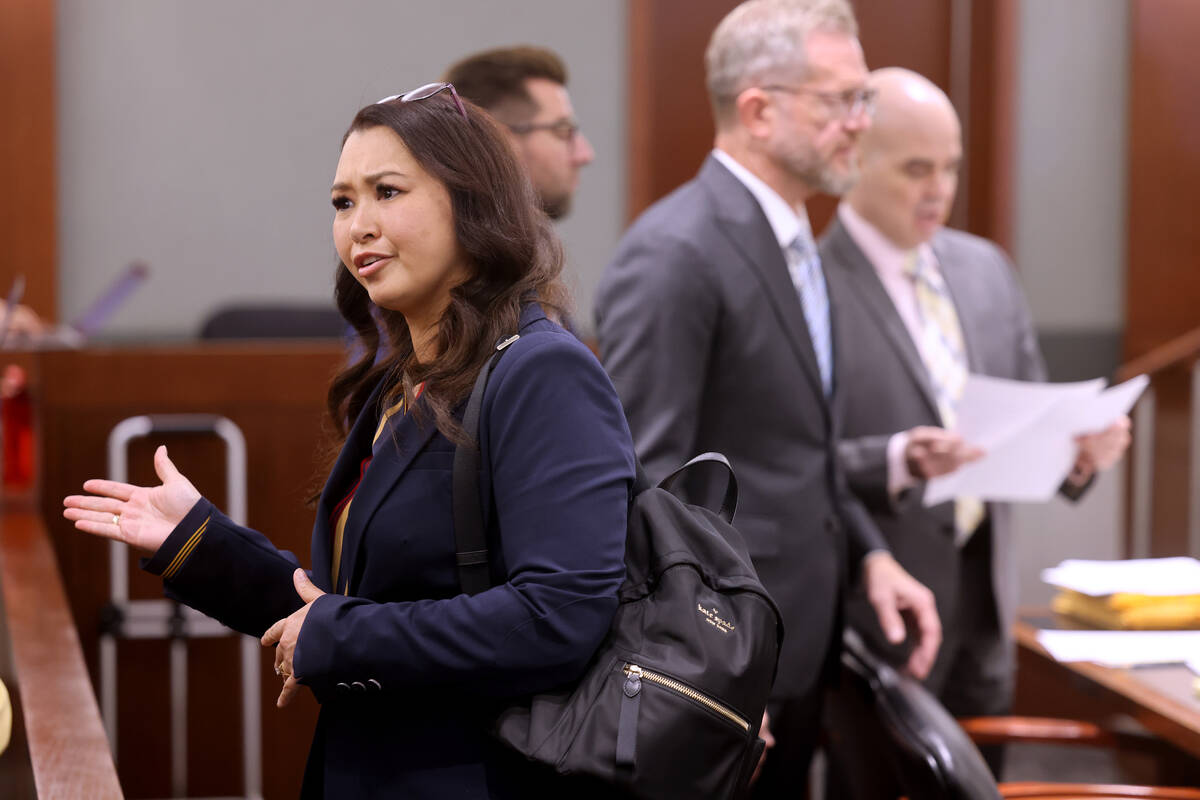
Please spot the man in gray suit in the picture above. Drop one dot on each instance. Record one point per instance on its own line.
(917, 307)
(713, 322)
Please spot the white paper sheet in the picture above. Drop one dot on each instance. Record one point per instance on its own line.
(1164, 577)
(1027, 431)
(993, 410)
(1122, 648)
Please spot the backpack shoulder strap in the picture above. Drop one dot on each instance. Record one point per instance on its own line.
(470, 540)
(729, 501)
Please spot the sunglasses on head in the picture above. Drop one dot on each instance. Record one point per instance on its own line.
(424, 93)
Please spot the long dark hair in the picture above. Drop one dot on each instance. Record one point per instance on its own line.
(513, 256)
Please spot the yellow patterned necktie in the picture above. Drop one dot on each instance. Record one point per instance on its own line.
(945, 357)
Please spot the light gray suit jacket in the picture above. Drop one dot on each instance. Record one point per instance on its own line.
(704, 337)
(885, 388)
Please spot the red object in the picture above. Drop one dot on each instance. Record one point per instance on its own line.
(16, 428)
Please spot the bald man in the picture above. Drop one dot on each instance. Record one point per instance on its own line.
(917, 307)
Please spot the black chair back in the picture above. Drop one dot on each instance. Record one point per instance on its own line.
(275, 322)
(929, 753)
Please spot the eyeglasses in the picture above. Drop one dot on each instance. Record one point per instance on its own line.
(565, 129)
(841, 105)
(424, 93)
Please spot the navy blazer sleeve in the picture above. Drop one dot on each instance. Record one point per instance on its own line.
(561, 461)
(227, 571)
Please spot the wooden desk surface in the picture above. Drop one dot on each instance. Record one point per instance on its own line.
(1160, 698)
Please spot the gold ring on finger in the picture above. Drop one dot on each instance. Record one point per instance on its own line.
(117, 520)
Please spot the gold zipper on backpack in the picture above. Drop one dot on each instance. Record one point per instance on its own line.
(641, 673)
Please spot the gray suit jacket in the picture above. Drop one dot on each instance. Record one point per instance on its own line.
(885, 388)
(704, 337)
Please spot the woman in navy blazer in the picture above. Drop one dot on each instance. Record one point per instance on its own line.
(443, 248)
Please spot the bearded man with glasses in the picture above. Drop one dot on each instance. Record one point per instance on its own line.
(525, 88)
(714, 324)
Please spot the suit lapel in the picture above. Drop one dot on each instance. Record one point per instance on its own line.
(746, 227)
(341, 479)
(847, 255)
(956, 280)
(385, 469)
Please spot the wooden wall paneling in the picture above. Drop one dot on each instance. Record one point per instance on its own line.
(1162, 282)
(913, 34)
(670, 122)
(28, 221)
(275, 394)
(989, 125)
(1171, 490)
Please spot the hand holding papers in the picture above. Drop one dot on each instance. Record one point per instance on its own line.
(1027, 431)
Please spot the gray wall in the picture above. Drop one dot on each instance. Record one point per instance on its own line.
(202, 136)
(1071, 135)
(1070, 234)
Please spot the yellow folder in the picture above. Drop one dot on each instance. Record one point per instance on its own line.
(1124, 611)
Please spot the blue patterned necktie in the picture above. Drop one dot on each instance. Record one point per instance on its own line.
(804, 265)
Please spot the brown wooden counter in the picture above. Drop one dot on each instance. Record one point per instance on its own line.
(60, 729)
(1161, 699)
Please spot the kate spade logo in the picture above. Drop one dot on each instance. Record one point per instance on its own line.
(713, 616)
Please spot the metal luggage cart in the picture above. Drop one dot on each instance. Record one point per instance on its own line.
(166, 619)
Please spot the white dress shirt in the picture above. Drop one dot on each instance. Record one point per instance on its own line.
(787, 222)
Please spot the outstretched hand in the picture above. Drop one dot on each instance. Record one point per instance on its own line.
(142, 517)
(285, 634)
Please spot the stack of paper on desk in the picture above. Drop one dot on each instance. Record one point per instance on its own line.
(1122, 648)
(1150, 576)
(1135, 594)
(1027, 431)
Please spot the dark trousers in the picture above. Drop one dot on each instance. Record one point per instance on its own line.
(973, 676)
(796, 726)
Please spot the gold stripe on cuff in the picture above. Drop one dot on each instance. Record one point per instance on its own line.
(186, 550)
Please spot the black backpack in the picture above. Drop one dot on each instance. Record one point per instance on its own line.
(671, 702)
